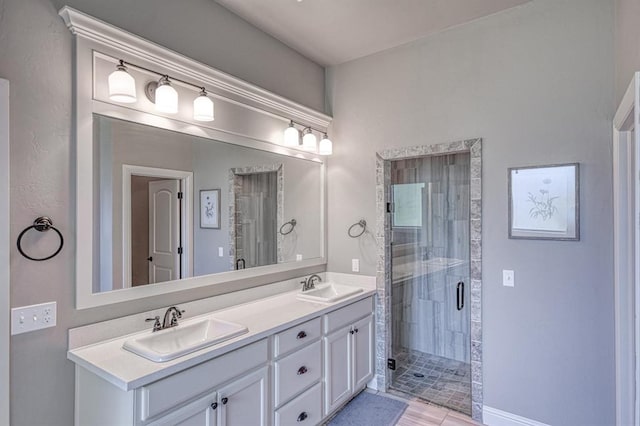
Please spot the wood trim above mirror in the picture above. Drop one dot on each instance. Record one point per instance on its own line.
(246, 115)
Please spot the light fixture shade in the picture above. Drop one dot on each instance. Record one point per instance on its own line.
(326, 146)
(122, 86)
(203, 107)
(291, 136)
(166, 97)
(309, 140)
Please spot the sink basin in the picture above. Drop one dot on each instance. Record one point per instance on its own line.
(165, 345)
(328, 293)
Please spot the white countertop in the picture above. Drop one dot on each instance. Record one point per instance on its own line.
(262, 317)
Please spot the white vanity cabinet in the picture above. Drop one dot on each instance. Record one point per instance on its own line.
(348, 353)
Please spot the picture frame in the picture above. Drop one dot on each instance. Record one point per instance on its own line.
(544, 202)
(210, 208)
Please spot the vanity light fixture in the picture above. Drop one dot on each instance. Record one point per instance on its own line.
(122, 85)
(326, 146)
(166, 96)
(203, 107)
(309, 141)
(122, 88)
(291, 135)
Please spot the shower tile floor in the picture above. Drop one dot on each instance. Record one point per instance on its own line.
(446, 382)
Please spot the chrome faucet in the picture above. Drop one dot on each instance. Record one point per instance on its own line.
(171, 318)
(310, 283)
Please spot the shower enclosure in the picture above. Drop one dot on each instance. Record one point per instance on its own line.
(430, 252)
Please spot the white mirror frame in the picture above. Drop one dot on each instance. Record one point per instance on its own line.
(261, 117)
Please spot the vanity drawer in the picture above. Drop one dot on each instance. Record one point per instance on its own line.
(350, 313)
(297, 371)
(306, 409)
(297, 336)
(164, 394)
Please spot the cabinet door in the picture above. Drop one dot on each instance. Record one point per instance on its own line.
(244, 401)
(199, 413)
(362, 352)
(337, 358)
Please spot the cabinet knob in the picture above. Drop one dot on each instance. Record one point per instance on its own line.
(351, 331)
(355, 329)
(225, 400)
(302, 417)
(302, 370)
(302, 335)
(214, 405)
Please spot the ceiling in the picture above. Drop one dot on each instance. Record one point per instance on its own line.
(331, 32)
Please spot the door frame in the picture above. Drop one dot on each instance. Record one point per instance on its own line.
(186, 186)
(626, 207)
(383, 277)
(4, 255)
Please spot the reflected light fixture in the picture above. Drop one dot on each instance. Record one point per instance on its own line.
(326, 146)
(166, 96)
(309, 140)
(203, 107)
(122, 85)
(291, 135)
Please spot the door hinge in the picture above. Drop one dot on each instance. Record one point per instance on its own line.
(179, 250)
(391, 364)
(180, 195)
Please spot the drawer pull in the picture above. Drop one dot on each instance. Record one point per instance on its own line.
(302, 417)
(225, 400)
(302, 370)
(214, 405)
(301, 335)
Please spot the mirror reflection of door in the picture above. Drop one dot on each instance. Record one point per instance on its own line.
(155, 229)
(256, 222)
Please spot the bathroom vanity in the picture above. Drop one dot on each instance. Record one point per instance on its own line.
(298, 364)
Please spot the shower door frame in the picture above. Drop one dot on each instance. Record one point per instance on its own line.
(383, 271)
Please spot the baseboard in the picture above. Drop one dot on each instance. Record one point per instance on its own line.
(495, 417)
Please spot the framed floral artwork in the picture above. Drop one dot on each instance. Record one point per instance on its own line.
(210, 208)
(544, 202)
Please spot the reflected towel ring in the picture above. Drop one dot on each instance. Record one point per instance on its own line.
(41, 224)
(361, 223)
(292, 223)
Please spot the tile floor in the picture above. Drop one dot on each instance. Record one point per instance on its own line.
(445, 382)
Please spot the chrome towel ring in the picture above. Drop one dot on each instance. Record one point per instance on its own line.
(292, 224)
(362, 224)
(41, 224)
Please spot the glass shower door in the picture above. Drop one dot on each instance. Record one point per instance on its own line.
(430, 279)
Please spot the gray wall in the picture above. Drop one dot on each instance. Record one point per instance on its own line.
(537, 83)
(627, 42)
(36, 52)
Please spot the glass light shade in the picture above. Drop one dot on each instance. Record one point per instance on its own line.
(122, 86)
(166, 97)
(203, 108)
(309, 141)
(326, 146)
(291, 136)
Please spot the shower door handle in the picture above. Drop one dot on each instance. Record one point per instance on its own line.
(460, 295)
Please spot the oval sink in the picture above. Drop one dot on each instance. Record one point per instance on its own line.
(165, 345)
(328, 293)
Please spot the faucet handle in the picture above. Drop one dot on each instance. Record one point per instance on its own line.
(156, 323)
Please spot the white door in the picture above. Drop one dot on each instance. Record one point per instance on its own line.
(164, 231)
(244, 401)
(337, 358)
(4, 252)
(362, 352)
(202, 412)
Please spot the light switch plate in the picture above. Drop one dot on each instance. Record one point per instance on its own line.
(220, 252)
(298, 257)
(508, 278)
(34, 317)
(355, 265)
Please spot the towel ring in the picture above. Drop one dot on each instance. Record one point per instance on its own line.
(41, 224)
(292, 223)
(361, 223)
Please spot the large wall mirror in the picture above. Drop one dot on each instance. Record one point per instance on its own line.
(172, 206)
